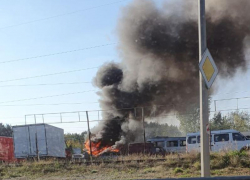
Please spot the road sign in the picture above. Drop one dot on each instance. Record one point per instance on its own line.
(208, 68)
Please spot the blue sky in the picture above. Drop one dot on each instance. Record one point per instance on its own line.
(83, 29)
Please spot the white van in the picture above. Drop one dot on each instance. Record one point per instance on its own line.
(219, 140)
(170, 144)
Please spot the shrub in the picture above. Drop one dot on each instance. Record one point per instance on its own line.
(94, 171)
(214, 156)
(149, 170)
(178, 170)
(225, 161)
(48, 169)
(220, 162)
(237, 153)
(245, 163)
(197, 165)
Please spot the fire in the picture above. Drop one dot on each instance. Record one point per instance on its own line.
(97, 150)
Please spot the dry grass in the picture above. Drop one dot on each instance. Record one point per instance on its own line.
(185, 165)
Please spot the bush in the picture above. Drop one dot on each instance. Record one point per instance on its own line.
(48, 169)
(198, 156)
(214, 156)
(225, 160)
(245, 163)
(197, 165)
(237, 153)
(178, 170)
(94, 171)
(149, 170)
(220, 162)
(232, 158)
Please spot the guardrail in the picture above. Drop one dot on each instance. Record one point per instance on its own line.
(212, 178)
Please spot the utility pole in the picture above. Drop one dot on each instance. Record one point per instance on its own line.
(215, 109)
(144, 134)
(90, 142)
(37, 150)
(204, 137)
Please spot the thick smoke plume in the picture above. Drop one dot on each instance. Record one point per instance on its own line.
(159, 51)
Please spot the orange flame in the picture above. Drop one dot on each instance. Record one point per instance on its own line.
(96, 150)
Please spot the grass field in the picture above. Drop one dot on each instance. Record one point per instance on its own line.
(148, 167)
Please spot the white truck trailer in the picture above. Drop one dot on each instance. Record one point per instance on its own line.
(41, 140)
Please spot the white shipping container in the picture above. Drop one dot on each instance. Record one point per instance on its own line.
(49, 141)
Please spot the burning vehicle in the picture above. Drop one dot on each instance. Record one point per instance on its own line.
(96, 150)
(158, 48)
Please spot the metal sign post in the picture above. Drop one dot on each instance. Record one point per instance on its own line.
(205, 154)
(90, 142)
(144, 134)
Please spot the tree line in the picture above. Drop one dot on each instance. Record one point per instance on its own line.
(238, 120)
(5, 130)
(189, 122)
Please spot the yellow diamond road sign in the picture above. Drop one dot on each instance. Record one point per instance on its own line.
(208, 68)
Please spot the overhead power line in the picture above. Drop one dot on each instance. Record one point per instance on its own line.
(60, 15)
(46, 84)
(231, 93)
(57, 53)
(80, 102)
(52, 104)
(232, 99)
(52, 74)
(221, 110)
(12, 117)
(46, 96)
(77, 83)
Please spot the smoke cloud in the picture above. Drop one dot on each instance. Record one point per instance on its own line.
(158, 47)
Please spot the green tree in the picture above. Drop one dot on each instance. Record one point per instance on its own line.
(220, 122)
(190, 121)
(74, 140)
(153, 129)
(239, 120)
(5, 130)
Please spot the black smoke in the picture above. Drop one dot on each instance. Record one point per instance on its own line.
(159, 52)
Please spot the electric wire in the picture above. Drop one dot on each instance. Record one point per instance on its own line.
(45, 84)
(230, 93)
(231, 99)
(60, 15)
(76, 103)
(43, 97)
(52, 74)
(51, 104)
(57, 53)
